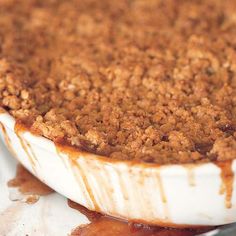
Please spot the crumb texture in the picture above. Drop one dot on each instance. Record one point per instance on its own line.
(152, 81)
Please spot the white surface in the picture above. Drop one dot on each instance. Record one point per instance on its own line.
(155, 194)
(50, 216)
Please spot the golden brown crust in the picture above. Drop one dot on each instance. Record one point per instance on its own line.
(146, 80)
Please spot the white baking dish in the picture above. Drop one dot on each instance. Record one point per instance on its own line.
(170, 195)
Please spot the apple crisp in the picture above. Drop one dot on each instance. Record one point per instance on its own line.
(152, 81)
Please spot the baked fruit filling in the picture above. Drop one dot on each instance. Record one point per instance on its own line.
(151, 81)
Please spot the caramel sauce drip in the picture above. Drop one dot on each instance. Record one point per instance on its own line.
(163, 196)
(227, 176)
(7, 140)
(103, 225)
(190, 173)
(87, 186)
(161, 188)
(29, 185)
(73, 156)
(25, 145)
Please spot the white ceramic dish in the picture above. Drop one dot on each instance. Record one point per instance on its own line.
(165, 195)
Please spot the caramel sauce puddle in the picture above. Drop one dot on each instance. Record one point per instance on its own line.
(227, 177)
(103, 225)
(29, 185)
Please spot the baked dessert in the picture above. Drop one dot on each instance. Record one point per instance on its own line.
(151, 81)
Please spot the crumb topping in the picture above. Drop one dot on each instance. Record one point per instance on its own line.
(152, 81)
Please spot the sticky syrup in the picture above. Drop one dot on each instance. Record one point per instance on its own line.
(29, 185)
(103, 225)
(227, 177)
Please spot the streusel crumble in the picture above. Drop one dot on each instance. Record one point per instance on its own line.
(153, 81)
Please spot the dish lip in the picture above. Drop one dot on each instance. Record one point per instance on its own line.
(68, 149)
